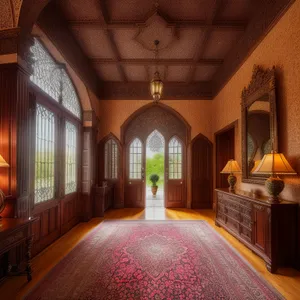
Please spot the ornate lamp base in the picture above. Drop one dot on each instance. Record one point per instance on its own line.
(232, 181)
(274, 186)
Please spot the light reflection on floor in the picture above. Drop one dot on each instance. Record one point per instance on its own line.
(155, 201)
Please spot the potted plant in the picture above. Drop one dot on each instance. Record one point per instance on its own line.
(154, 179)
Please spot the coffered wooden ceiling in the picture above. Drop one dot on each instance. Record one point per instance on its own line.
(196, 37)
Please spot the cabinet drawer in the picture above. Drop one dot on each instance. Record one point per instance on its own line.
(245, 203)
(246, 211)
(234, 214)
(246, 221)
(246, 234)
(221, 217)
(221, 208)
(233, 224)
(220, 197)
(232, 204)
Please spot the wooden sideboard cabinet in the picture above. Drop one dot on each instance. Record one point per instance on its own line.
(269, 230)
(15, 246)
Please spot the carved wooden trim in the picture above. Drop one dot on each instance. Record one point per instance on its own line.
(263, 82)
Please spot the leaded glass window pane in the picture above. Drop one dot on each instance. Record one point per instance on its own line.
(135, 159)
(44, 155)
(69, 96)
(53, 79)
(175, 159)
(111, 159)
(156, 142)
(46, 73)
(71, 158)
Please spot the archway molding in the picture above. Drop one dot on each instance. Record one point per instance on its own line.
(157, 116)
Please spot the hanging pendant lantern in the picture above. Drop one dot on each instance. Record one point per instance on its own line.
(156, 84)
(156, 87)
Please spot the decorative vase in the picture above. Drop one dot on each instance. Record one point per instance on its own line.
(154, 190)
(274, 186)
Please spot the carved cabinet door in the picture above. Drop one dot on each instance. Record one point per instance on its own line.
(260, 227)
(135, 174)
(175, 181)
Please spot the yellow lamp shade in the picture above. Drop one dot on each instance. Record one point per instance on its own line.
(231, 167)
(3, 163)
(274, 163)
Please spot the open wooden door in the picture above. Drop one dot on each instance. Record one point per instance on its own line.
(175, 181)
(202, 179)
(135, 174)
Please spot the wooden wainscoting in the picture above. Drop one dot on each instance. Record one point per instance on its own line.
(54, 218)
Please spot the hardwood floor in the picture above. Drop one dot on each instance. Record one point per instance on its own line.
(286, 281)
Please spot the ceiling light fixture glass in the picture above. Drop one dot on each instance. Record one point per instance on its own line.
(156, 84)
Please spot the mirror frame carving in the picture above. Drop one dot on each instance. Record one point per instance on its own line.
(262, 82)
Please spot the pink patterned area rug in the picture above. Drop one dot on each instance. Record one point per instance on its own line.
(153, 260)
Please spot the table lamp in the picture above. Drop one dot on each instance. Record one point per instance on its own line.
(274, 164)
(3, 164)
(231, 168)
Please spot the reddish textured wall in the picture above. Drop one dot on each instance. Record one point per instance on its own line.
(113, 113)
(281, 47)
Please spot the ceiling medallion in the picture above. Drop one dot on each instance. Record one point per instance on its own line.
(156, 84)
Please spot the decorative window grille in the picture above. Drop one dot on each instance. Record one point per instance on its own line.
(53, 79)
(135, 159)
(175, 159)
(69, 96)
(46, 72)
(71, 158)
(44, 155)
(111, 159)
(156, 142)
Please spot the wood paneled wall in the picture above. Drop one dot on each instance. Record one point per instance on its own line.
(14, 145)
(17, 131)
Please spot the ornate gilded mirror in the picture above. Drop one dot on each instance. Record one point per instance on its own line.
(259, 122)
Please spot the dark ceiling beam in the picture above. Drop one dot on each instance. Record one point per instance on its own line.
(116, 56)
(147, 69)
(206, 35)
(228, 25)
(166, 73)
(149, 62)
(111, 40)
(104, 11)
(172, 91)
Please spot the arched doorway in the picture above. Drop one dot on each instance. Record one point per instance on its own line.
(155, 169)
(135, 132)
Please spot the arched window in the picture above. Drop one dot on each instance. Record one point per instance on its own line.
(135, 159)
(175, 159)
(53, 79)
(111, 159)
(56, 126)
